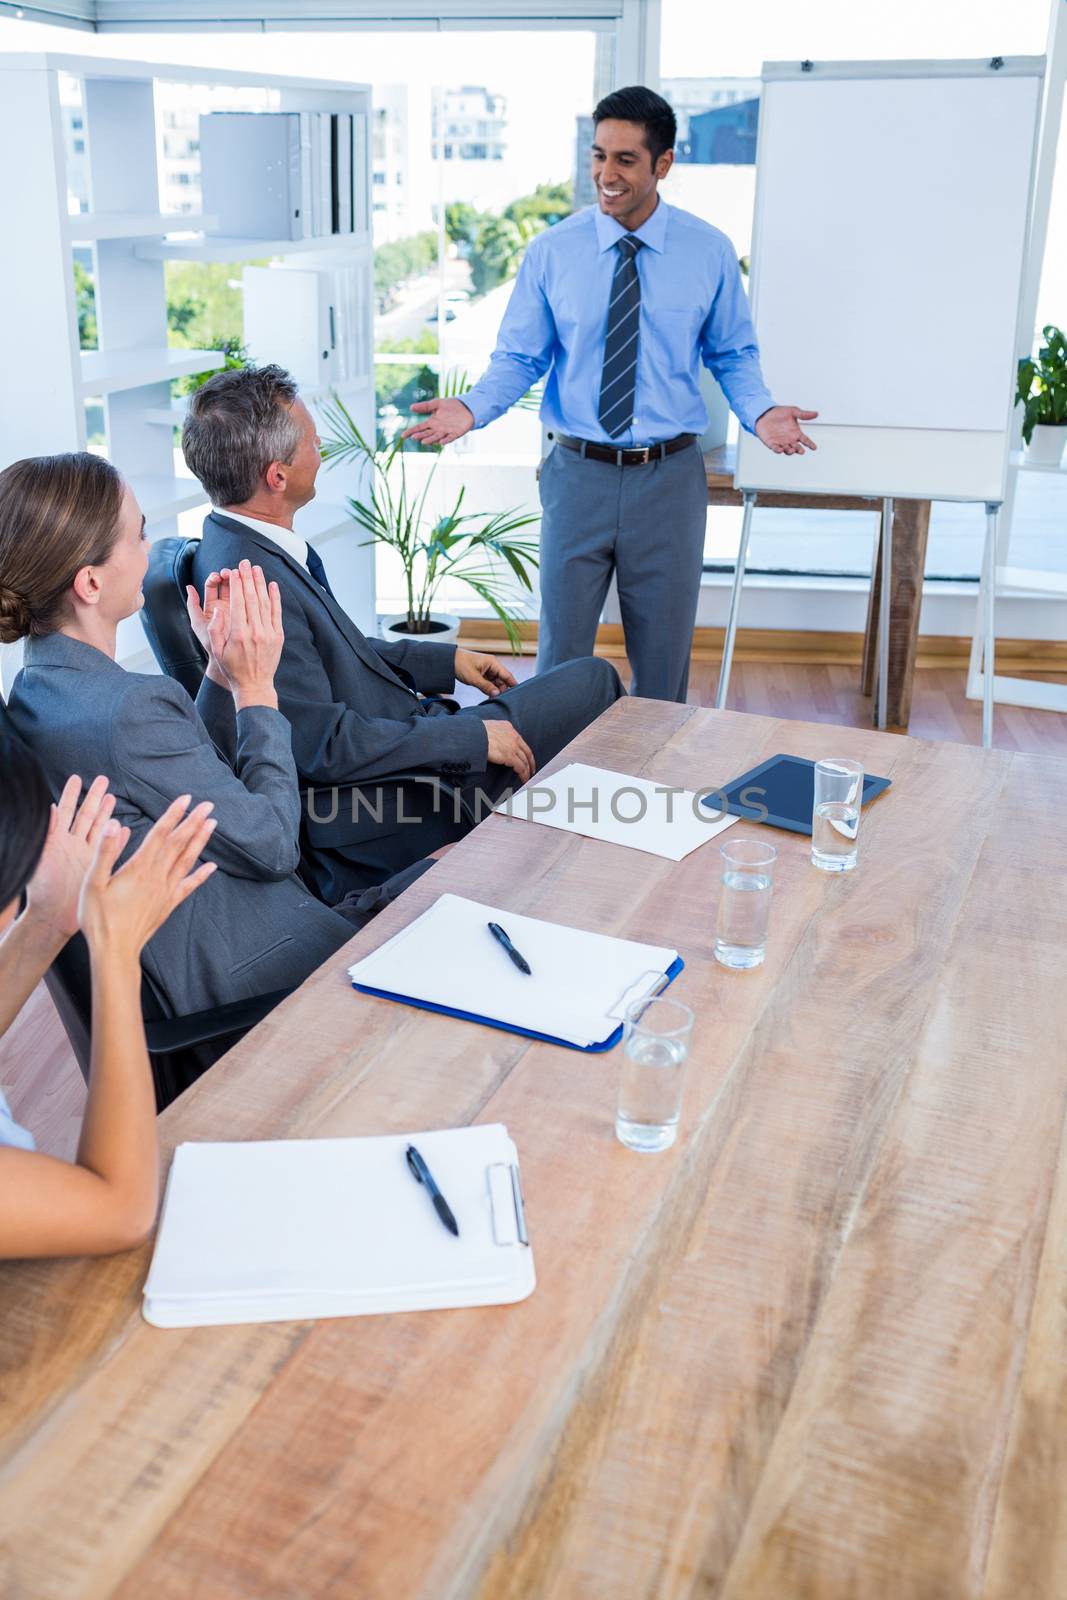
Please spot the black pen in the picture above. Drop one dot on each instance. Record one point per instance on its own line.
(421, 1171)
(501, 938)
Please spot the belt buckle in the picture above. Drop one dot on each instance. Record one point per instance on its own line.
(639, 455)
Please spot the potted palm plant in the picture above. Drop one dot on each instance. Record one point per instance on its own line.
(1042, 392)
(484, 550)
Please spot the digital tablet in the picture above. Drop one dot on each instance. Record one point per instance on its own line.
(780, 791)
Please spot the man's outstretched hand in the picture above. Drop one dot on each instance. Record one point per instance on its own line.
(780, 430)
(449, 420)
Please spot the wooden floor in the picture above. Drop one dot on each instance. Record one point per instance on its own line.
(39, 1074)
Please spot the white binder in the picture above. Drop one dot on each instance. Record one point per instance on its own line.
(294, 1228)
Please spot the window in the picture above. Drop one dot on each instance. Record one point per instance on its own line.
(504, 163)
(715, 178)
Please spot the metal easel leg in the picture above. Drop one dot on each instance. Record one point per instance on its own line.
(988, 588)
(735, 603)
(883, 611)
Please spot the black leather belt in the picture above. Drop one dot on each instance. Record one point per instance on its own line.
(623, 458)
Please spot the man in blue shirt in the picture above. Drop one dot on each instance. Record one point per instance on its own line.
(619, 304)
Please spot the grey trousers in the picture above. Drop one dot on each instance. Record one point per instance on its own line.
(644, 523)
(549, 710)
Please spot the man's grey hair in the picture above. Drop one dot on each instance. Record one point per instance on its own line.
(236, 425)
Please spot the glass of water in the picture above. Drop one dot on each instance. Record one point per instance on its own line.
(744, 902)
(655, 1048)
(835, 822)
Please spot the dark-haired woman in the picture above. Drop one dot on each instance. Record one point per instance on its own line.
(63, 857)
(72, 560)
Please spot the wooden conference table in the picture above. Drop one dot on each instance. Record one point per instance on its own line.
(817, 1350)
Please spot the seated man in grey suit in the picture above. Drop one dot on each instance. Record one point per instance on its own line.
(359, 724)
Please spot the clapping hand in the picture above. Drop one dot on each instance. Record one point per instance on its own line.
(780, 430)
(216, 598)
(120, 911)
(240, 627)
(73, 833)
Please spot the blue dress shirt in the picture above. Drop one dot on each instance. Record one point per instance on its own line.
(693, 309)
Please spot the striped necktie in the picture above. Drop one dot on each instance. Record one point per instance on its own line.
(618, 384)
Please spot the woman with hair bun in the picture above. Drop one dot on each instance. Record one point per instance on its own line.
(73, 557)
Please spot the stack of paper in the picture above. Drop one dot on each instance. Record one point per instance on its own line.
(268, 1232)
(576, 992)
(636, 812)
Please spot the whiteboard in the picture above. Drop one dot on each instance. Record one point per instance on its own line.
(892, 207)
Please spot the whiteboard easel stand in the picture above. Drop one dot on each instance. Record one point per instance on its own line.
(883, 604)
(951, 462)
(987, 596)
(1025, 691)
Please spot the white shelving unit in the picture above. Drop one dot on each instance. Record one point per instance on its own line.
(110, 371)
(1034, 692)
(203, 247)
(49, 378)
(89, 226)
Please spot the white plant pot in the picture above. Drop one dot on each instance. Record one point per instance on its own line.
(445, 629)
(1046, 443)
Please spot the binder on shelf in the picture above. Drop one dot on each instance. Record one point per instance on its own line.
(305, 175)
(360, 174)
(280, 1230)
(251, 165)
(335, 198)
(576, 993)
(325, 195)
(343, 172)
(314, 200)
(291, 317)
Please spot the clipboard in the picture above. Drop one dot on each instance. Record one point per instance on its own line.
(574, 992)
(613, 1038)
(282, 1230)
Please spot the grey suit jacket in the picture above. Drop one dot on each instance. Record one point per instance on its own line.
(252, 927)
(351, 701)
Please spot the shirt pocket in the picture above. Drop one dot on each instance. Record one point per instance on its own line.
(676, 332)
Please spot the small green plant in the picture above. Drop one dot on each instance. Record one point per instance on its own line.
(1042, 389)
(459, 544)
(236, 356)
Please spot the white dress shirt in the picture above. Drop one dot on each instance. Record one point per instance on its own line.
(284, 538)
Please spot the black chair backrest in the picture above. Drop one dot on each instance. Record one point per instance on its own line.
(165, 619)
(67, 980)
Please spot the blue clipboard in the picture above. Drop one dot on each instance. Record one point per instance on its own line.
(506, 1027)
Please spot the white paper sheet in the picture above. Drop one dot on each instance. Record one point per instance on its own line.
(265, 1231)
(635, 812)
(576, 991)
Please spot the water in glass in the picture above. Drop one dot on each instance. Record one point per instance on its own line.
(650, 1092)
(744, 912)
(834, 844)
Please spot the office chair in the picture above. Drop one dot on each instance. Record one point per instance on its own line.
(179, 1048)
(177, 650)
(165, 619)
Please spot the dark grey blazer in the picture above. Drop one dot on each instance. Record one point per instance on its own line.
(252, 927)
(352, 701)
